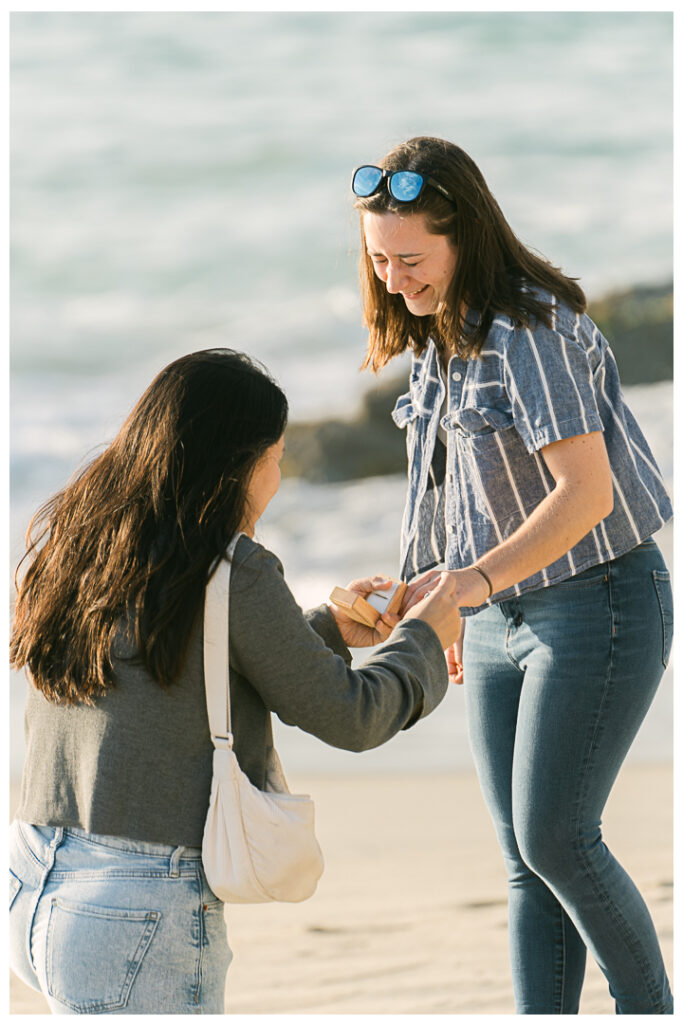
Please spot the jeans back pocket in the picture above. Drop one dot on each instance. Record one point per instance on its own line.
(662, 583)
(94, 953)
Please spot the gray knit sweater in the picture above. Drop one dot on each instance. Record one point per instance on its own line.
(138, 763)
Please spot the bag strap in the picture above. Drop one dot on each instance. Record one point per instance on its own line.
(217, 646)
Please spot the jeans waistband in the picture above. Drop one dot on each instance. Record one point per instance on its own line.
(134, 846)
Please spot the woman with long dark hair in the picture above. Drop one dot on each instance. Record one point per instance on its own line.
(110, 910)
(532, 484)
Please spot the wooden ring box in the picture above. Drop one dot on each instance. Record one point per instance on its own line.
(367, 610)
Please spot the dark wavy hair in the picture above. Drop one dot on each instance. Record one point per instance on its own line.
(492, 267)
(133, 537)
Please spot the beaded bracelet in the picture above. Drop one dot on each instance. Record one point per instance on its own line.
(482, 573)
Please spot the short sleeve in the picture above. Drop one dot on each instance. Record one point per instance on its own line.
(550, 385)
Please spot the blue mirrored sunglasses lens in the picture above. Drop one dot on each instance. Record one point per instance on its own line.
(366, 180)
(405, 185)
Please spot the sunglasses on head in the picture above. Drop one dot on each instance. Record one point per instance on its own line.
(403, 186)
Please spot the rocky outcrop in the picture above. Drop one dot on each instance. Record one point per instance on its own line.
(638, 324)
(369, 445)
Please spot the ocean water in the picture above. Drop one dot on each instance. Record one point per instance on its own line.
(181, 181)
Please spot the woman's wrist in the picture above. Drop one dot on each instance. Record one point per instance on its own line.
(475, 587)
(486, 578)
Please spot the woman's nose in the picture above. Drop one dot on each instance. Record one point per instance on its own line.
(395, 279)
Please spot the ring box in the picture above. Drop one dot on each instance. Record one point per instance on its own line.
(367, 610)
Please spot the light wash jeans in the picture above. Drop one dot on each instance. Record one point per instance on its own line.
(557, 683)
(100, 924)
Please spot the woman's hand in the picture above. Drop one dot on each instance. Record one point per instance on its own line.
(454, 665)
(438, 607)
(355, 634)
(420, 586)
(454, 658)
(472, 589)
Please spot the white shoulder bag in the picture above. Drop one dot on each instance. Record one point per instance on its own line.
(258, 845)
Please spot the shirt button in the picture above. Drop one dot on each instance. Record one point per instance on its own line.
(457, 375)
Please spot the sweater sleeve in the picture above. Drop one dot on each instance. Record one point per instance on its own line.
(301, 669)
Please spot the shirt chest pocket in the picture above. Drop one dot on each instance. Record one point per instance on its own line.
(490, 456)
(469, 421)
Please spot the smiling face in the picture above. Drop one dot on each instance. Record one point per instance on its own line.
(409, 259)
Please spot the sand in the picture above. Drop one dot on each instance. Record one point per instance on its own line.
(410, 915)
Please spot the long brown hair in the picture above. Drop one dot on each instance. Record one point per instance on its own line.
(132, 538)
(492, 267)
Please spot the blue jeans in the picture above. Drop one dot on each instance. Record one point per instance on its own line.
(557, 683)
(106, 925)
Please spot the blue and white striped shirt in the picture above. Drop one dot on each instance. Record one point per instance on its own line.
(526, 389)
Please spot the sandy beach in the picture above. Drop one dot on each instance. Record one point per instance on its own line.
(410, 915)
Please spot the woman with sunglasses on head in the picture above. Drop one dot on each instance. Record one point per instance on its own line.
(110, 910)
(532, 484)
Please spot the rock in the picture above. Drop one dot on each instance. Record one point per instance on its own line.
(638, 324)
(333, 450)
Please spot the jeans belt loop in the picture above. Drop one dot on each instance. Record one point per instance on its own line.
(57, 840)
(173, 864)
